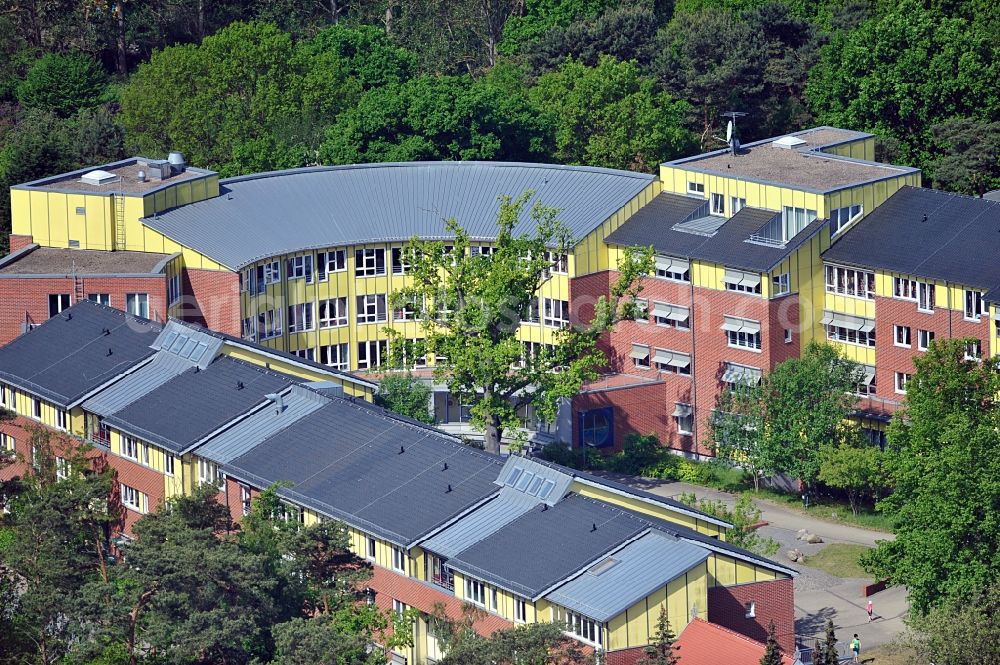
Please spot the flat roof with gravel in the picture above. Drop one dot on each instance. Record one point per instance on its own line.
(125, 179)
(53, 261)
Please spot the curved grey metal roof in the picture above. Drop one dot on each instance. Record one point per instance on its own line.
(276, 213)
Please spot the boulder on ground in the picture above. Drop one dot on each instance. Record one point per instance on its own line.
(813, 539)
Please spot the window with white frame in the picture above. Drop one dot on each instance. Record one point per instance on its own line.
(57, 303)
(337, 356)
(925, 297)
(684, 417)
(62, 468)
(398, 558)
(173, 289)
(245, 499)
(924, 339)
(794, 220)
(130, 448)
(137, 304)
(744, 339)
(400, 262)
(144, 453)
(475, 591)
(494, 599)
(306, 354)
(534, 312)
(269, 323)
(850, 282)
(902, 336)
(372, 308)
(272, 271)
(750, 609)
(399, 607)
(168, 463)
(837, 333)
(695, 187)
(369, 262)
(975, 305)
(672, 362)
(36, 457)
(520, 610)
(407, 311)
(371, 354)
(36, 408)
(100, 298)
(208, 473)
(676, 270)
(3, 395)
(641, 310)
(744, 282)
(584, 628)
(328, 262)
(300, 317)
(640, 356)
(781, 284)
(7, 442)
(974, 350)
(668, 315)
(841, 217)
(718, 204)
(556, 313)
(333, 312)
(736, 204)
(902, 379)
(482, 250)
(299, 267)
(904, 289)
(133, 499)
(559, 262)
(370, 548)
(249, 326)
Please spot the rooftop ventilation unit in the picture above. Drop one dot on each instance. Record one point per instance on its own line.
(176, 161)
(156, 169)
(98, 177)
(788, 142)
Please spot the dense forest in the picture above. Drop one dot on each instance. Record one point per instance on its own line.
(252, 85)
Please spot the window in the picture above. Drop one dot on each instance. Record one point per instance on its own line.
(173, 289)
(781, 284)
(718, 204)
(371, 308)
(904, 289)
(974, 350)
(902, 336)
(481, 250)
(399, 607)
(534, 311)
(332, 261)
(12, 398)
(407, 311)
(736, 204)
(672, 362)
(299, 267)
(794, 220)
(695, 187)
(144, 449)
(100, 298)
(788, 335)
(370, 548)
(333, 312)
(60, 418)
(744, 282)
(640, 356)
(7, 442)
(520, 610)
(583, 628)
(36, 408)
(62, 468)
(398, 559)
(747, 340)
(370, 354)
(841, 217)
(57, 303)
(336, 356)
(249, 326)
(269, 323)
(850, 282)
(300, 317)
(684, 416)
(36, 458)
(132, 498)
(168, 464)
(208, 473)
(676, 270)
(475, 591)
(245, 499)
(559, 261)
(975, 305)
(837, 333)
(3, 395)
(750, 609)
(305, 354)
(901, 380)
(668, 315)
(437, 572)
(925, 297)
(556, 313)
(258, 280)
(137, 304)
(641, 310)
(369, 262)
(924, 339)
(400, 266)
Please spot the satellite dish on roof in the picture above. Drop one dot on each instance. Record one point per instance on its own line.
(729, 132)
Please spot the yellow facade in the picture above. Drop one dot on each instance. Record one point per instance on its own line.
(683, 595)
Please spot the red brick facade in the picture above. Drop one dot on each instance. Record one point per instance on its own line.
(19, 242)
(626, 656)
(145, 480)
(773, 601)
(26, 299)
(213, 299)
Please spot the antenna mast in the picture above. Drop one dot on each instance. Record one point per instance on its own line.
(731, 137)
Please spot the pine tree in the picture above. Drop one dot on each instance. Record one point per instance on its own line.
(662, 649)
(772, 652)
(830, 654)
(818, 654)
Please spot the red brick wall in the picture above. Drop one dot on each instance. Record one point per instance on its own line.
(24, 296)
(144, 479)
(637, 409)
(626, 656)
(19, 242)
(774, 601)
(212, 299)
(22, 449)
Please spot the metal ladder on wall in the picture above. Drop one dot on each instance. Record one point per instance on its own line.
(78, 292)
(119, 198)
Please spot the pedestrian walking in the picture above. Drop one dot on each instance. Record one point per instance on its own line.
(871, 611)
(856, 648)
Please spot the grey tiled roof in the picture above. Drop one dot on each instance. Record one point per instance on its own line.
(192, 405)
(653, 225)
(69, 356)
(392, 478)
(633, 572)
(275, 213)
(958, 242)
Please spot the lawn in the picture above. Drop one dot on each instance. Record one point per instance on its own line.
(826, 508)
(839, 559)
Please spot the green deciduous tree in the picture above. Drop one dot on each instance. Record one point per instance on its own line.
(470, 307)
(63, 84)
(964, 632)
(945, 470)
(738, 434)
(853, 466)
(532, 644)
(743, 516)
(661, 650)
(407, 395)
(611, 115)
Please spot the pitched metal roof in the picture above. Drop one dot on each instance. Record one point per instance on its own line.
(481, 523)
(392, 478)
(194, 404)
(161, 368)
(927, 233)
(76, 352)
(628, 575)
(665, 224)
(270, 214)
(295, 403)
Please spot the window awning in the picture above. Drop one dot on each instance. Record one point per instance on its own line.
(733, 373)
(737, 324)
(682, 410)
(847, 321)
(668, 264)
(740, 278)
(672, 312)
(869, 377)
(639, 352)
(672, 358)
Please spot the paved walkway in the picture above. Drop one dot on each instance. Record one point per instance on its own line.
(818, 595)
